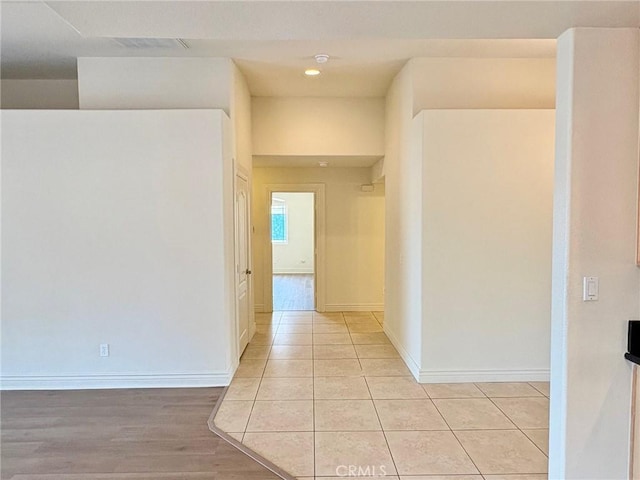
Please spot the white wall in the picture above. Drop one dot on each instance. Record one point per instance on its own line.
(39, 94)
(318, 126)
(132, 83)
(466, 83)
(595, 215)
(154, 83)
(115, 231)
(296, 255)
(354, 227)
(487, 184)
(403, 230)
(175, 83)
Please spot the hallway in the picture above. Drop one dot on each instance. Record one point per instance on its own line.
(327, 395)
(292, 292)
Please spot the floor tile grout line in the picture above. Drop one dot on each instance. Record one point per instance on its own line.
(533, 386)
(257, 391)
(501, 473)
(514, 423)
(505, 414)
(531, 440)
(386, 440)
(509, 418)
(354, 348)
(359, 358)
(256, 398)
(539, 393)
(390, 429)
(475, 384)
(456, 437)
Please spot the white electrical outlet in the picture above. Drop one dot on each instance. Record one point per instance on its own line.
(104, 349)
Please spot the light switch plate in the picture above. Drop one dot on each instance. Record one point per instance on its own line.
(590, 289)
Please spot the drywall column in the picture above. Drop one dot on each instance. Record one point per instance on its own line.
(595, 206)
(403, 227)
(240, 113)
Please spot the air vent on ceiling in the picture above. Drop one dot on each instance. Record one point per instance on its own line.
(147, 43)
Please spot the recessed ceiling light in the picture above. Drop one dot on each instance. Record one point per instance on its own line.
(321, 58)
(323, 164)
(312, 72)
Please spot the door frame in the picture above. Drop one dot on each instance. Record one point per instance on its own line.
(240, 171)
(319, 240)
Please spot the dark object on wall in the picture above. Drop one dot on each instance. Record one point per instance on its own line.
(633, 342)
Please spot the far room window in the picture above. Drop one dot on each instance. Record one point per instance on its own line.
(279, 221)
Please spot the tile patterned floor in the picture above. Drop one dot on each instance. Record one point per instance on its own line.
(326, 395)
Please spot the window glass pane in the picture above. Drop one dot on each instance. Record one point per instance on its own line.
(278, 221)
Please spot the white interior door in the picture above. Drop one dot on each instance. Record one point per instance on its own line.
(242, 262)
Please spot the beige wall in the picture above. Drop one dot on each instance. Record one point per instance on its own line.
(464, 83)
(296, 254)
(354, 234)
(318, 126)
(487, 189)
(240, 113)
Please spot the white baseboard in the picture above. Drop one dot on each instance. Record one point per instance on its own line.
(354, 307)
(338, 307)
(89, 382)
(414, 368)
(465, 376)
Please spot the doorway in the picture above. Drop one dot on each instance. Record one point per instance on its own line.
(293, 250)
(296, 217)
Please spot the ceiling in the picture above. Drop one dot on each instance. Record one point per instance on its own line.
(273, 41)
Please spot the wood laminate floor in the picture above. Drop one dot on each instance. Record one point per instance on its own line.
(145, 434)
(293, 292)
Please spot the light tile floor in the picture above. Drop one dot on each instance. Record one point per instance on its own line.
(327, 395)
